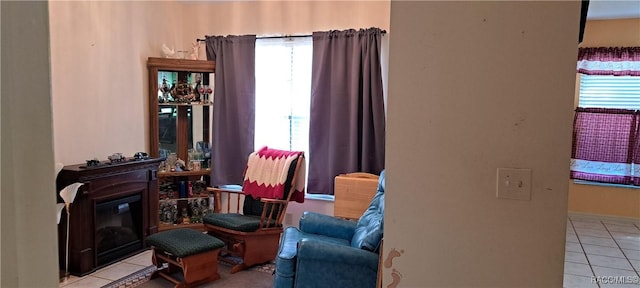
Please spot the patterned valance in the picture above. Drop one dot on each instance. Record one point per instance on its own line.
(617, 61)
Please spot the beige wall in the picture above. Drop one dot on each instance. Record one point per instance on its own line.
(465, 99)
(278, 18)
(611, 33)
(29, 253)
(98, 68)
(603, 200)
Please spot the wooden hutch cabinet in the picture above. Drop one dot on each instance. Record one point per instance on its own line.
(180, 114)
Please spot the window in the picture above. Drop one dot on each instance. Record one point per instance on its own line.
(607, 91)
(283, 92)
(605, 136)
(606, 143)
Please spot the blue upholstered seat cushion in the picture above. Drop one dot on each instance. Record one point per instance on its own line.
(235, 221)
(370, 227)
(285, 261)
(184, 242)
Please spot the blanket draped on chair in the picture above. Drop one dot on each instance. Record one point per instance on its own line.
(267, 171)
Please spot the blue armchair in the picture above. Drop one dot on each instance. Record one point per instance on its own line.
(332, 252)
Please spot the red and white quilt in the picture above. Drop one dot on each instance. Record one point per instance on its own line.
(266, 174)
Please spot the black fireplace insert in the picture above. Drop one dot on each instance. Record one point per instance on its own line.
(118, 228)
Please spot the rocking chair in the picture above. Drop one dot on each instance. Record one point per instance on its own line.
(272, 179)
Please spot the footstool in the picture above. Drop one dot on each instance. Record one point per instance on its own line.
(193, 252)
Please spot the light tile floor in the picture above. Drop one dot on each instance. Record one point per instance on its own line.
(110, 273)
(602, 252)
(596, 247)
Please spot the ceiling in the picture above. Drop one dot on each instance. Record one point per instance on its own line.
(613, 9)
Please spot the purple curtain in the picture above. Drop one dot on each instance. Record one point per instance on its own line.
(233, 108)
(604, 141)
(347, 125)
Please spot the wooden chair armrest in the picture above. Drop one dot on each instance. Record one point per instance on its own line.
(271, 200)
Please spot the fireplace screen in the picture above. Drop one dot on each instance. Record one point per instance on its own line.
(118, 228)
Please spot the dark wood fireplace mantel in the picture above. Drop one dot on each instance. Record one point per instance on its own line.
(103, 183)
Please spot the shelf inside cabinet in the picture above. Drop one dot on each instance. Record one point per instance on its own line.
(186, 104)
(203, 172)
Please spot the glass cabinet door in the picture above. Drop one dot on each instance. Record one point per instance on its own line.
(183, 129)
(184, 109)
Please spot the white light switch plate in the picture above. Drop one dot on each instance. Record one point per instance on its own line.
(514, 184)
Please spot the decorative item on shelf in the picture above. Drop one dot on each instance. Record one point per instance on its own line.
(182, 92)
(171, 161)
(205, 149)
(182, 54)
(179, 165)
(200, 188)
(198, 89)
(195, 50)
(198, 208)
(209, 91)
(168, 211)
(116, 158)
(168, 190)
(168, 52)
(206, 90)
(163, 153)
(183, 189)
(163, 166)
(141, 156)
(68, 194)
(164, 95)
(195, 165)
(195, 158)
(93, 162)
(185, 216)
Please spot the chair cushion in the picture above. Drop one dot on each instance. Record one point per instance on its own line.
(285, 260)
(184, 242)
(234, 221)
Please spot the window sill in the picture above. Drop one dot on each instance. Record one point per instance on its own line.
(583, 182)
(319, 197)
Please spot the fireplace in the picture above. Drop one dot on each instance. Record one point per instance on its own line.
(118, 228)
(113, 213)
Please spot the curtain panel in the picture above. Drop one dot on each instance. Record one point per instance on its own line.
(347, 120)
(234, 106)
(605, 143)
(617, 61)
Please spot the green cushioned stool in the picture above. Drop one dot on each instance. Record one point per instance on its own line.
(192, 252)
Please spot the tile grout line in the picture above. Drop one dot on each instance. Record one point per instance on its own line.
(583, 252)
(619, 247)
(637, 225)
